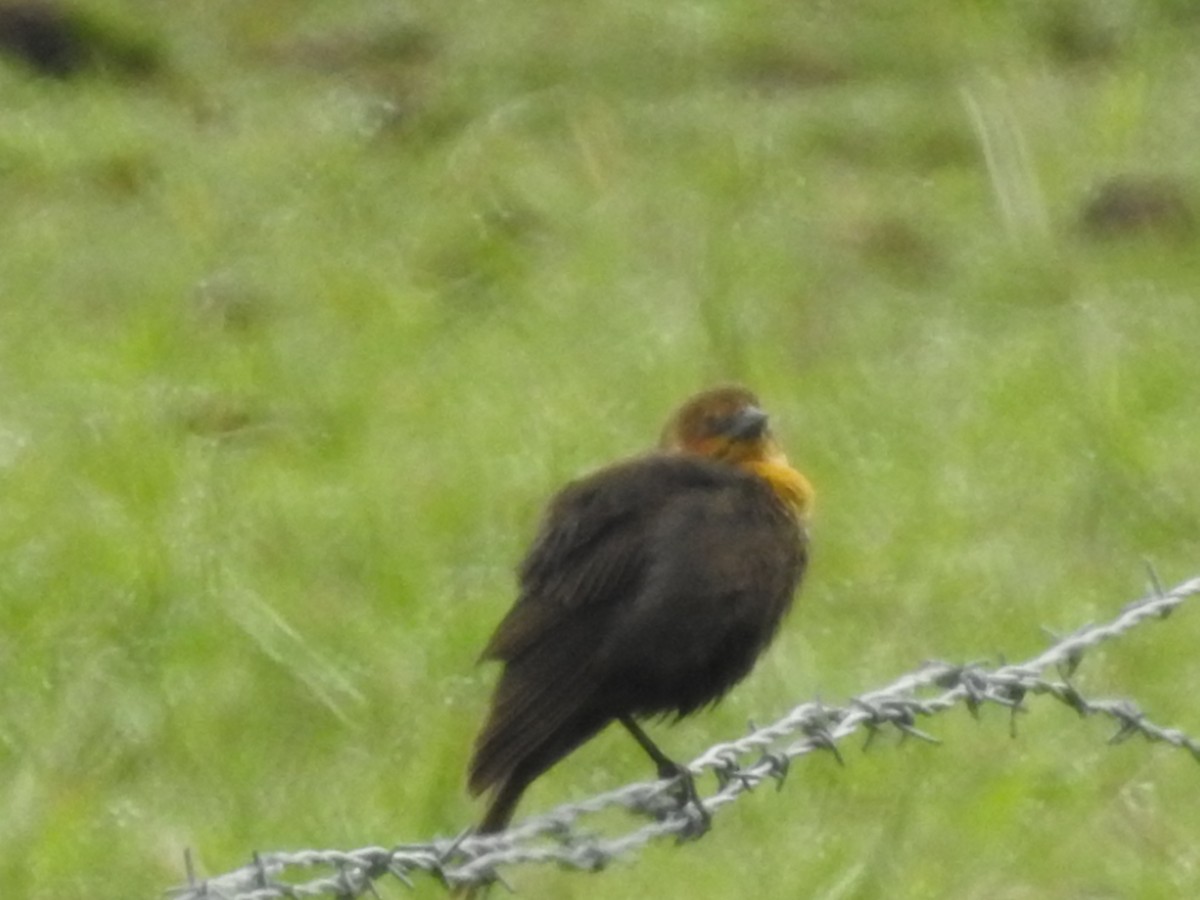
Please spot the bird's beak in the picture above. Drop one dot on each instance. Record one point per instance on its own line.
(749, 423)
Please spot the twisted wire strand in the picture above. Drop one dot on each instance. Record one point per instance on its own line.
(553, 837)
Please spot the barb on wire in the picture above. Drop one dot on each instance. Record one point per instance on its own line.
(765, 754)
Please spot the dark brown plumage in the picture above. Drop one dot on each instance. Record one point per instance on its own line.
(651, 589)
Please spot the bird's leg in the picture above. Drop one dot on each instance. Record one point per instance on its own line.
(668, 768)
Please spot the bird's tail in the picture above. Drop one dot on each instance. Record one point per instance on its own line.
(503, 803)
(501, 806)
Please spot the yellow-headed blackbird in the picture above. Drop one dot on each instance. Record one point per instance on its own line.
(651, 589)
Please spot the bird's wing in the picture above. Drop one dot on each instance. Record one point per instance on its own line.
(593, 549)
(725, 563)
(544, 705)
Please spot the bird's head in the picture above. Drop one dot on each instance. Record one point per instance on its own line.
(728, 425)
(724, 423)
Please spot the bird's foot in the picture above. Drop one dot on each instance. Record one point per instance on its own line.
(687, 796)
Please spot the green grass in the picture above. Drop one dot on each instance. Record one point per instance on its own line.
(297, 335)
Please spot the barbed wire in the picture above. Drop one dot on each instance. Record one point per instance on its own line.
(554, 837)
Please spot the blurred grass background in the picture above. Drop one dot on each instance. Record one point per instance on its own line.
(305, 308)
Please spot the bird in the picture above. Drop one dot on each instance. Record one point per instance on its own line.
(650, 589)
